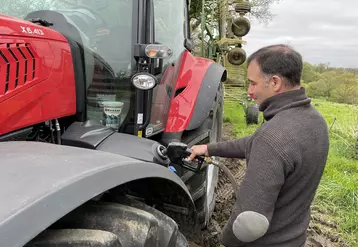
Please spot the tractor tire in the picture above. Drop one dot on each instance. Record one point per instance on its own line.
(203, 186)
(252, 114)
(109, 224)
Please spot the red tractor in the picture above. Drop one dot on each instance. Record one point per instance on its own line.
(100, 103)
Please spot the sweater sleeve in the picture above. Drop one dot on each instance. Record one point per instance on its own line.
(252, 213)
(229, 149)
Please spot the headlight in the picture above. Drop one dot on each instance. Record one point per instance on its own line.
(144, 81)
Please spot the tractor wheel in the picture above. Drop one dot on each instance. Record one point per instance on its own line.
(108, 224)
(203, 185)
(252, 114)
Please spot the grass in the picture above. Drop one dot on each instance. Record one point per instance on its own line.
(338, 190)
(336, 200)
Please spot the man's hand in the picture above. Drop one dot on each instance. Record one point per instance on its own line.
(198, 150)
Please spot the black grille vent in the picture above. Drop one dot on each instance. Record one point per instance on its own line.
(17, 66)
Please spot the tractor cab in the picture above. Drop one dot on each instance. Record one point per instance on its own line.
(121, 50)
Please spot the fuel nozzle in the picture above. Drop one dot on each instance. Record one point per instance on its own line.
(178, 153)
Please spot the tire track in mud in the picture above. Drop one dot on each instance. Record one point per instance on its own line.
(210, 237)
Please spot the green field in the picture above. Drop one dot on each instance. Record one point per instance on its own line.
(335, 208)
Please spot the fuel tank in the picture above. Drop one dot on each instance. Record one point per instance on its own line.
(93, 135)
(37, 80)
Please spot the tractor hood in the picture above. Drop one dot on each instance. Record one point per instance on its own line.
(17, 27)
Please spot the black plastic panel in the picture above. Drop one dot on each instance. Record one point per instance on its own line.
(133, 147)
(86, 135)
(93, 135)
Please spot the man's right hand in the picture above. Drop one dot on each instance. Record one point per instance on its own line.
(198, 150)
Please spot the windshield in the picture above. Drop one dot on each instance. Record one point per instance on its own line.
(103, 31)
(105, 26)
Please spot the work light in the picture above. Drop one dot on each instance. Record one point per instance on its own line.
(144, 81)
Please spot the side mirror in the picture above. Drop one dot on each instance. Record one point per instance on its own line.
(189, 44)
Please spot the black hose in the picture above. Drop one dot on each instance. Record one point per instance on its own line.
(234, 183)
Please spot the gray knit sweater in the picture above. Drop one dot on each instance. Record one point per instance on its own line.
(285, 160)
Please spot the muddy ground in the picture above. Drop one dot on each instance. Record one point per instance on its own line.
(322, 232)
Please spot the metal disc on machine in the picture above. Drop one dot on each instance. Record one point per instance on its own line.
(241, 26)
(236, 56)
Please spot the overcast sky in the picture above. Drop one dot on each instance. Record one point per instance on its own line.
(321, 30)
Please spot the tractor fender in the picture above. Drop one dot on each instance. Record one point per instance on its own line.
(215, 74)
(195, 92)
(40, 183)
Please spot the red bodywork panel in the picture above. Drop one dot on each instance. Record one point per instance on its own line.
(163, 94)
(191, 74)
(36, 75)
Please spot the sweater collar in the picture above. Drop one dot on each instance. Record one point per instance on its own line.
(290, 99)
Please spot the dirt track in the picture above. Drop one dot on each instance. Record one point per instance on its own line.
(224, 202)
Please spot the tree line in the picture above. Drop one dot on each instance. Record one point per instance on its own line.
(334, 84)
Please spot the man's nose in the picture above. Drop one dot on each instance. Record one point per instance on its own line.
(250, 91)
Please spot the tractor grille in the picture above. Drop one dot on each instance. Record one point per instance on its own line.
(17, 66)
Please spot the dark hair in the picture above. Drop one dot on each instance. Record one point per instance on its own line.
(280, 60)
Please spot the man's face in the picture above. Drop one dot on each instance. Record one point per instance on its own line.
(260, 88)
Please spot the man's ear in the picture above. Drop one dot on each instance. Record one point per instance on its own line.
(277, 83)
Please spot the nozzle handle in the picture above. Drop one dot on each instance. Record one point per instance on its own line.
(193, 165)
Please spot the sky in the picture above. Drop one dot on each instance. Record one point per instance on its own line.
(323, 31)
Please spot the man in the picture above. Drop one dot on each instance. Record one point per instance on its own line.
(285, 157)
